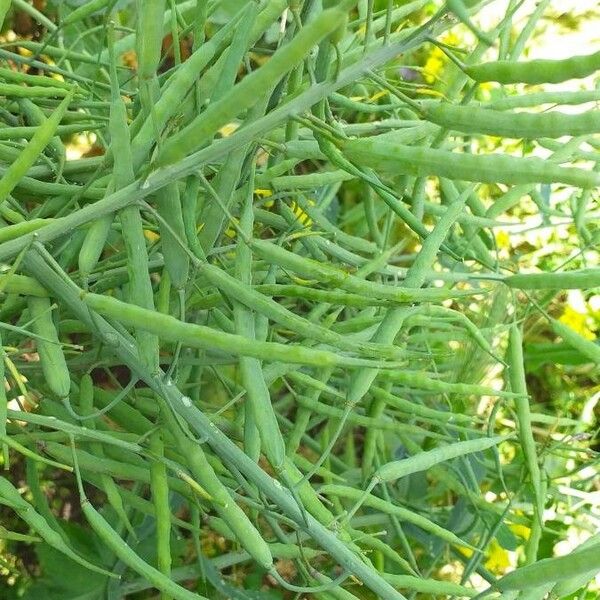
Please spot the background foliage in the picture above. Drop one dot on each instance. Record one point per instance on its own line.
(222, 178)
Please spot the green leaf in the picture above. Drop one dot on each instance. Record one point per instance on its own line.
(506, 538)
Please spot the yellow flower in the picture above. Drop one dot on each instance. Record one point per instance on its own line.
(378, 95)
(521, 530)
(437, 59)
(498, 559)
(485, 87)
(228, 129)
(502, 239)
(151, 236)
(451, 39)
(434, 65)
(577, 321)
(25, 52)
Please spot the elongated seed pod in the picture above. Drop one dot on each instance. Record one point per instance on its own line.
(125, 553)
(551, 569)
(172, 234)
(21, 284)
(12, 232)
(251, 434)
(189, 213)
(35, 116)
(303, 413)
(551, 124)
(417, 273)
(27, 453)
(318, 295)
(369, 422)
(338, 34)
(4, 6)
(84, 11)
(93, 245)
(230, 512)
(201, 425)
(566, 280)
(536, 71)
(119, 469)
(532, 545)
(490, 168)
(518, 385)
(12, 497)
(17, 170)
(415, 278)
(373, 435)
(97, 234)
(175, 91)
(234, 55)
(46, 188)
(421, 381)
(149, 37)
(259, 400)
(238, 291)
(310, 499)
(412, 408)
(311, 269)
(139, 291)
(54, 423)
(199, 336)
(430, 586)
(34, 91)
(586, 347)
(391, 508)
(52, 358)
(235, 518)
(39, 499)
(3, 406)
(539, 98)
(257, 392)
(86, 405)
(246, 93)
(159, 486)
(425, 460)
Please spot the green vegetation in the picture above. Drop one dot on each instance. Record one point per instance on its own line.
(299, 298)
